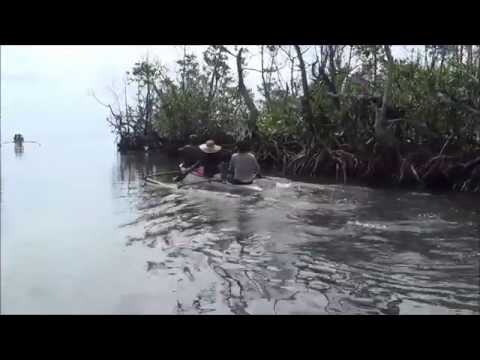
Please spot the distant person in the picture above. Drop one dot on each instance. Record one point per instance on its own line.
(18, 138)
(243, 166)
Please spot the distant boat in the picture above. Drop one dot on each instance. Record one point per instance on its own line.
(18, 140)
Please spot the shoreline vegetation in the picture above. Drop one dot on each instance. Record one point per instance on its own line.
(353, 113)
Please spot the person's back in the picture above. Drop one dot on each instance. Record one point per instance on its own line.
(212, 162)
(191, 153)
(243, 166)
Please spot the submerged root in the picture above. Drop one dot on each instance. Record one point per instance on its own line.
(408, 174)
(385, 166)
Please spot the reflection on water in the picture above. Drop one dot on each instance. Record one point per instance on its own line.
(135, 166)
(100, 240)
(309, 250)
(18, 150)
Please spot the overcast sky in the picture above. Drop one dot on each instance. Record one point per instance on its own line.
(45, 88)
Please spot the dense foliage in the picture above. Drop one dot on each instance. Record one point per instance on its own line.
(320, 109)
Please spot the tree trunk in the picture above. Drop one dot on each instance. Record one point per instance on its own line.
(306, 105)
(253, 111)
(443, 55)
(469, 57)
(126, 110)
(386, 150)
(333, 75)
(478, 61)
(292, 78)
(434, 57)
(322, 75)
(148, 104)
(350, 59)
(266, 89)
(381, 113)
(425, 55)
(183, 68)
(213, 83)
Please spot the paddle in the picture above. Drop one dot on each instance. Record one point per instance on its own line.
(33, 142)
(180, 177)
(263, 177)
(164, 173)
(183, 175)
(23, 142)
(172, 172)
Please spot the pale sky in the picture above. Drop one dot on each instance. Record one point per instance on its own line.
(45, 88)
(95, 66)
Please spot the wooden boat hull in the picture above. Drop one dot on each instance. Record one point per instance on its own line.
(215, 184)
(193, 181)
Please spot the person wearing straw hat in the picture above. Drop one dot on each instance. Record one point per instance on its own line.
(213, 161)
(210, 147)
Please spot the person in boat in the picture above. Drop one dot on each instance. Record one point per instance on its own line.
(18, 138)
(191, 152)
(213, 161)
(243, 167)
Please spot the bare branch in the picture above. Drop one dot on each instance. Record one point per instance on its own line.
(92, 93)
(305, 51)
(287, 53)
(227, 51)
(250, 69)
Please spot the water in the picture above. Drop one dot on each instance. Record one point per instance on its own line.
(82, 234)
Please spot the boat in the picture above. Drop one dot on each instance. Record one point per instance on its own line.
(18, 140)
(193, 181)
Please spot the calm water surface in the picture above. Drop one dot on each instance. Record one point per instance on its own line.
(82, 234)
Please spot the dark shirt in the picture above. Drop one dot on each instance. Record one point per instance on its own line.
(190, 155)
(211, 162)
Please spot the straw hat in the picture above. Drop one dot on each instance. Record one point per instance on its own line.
(209, 147)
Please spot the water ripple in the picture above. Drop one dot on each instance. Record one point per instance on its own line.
(314, 249)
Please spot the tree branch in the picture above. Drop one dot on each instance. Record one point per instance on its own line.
(250, 69)
(226, 50)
